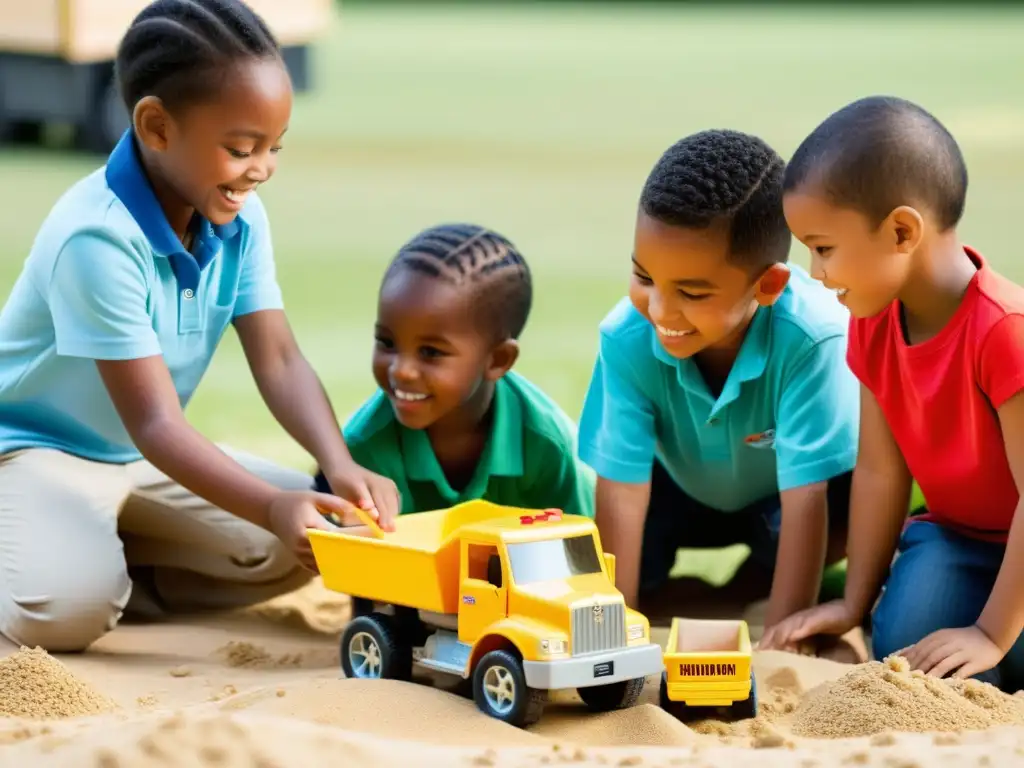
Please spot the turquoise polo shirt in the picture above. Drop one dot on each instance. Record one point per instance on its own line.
(107, 279)
(787, 415)
(529, 459)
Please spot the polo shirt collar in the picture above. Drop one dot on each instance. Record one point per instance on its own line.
(502, 456)
(127, 179)
(750, 363)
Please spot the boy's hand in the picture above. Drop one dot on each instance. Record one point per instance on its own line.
(965, 652)
(292, 513)
(368, 491)
(831, 618)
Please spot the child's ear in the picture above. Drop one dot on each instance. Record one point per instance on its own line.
(151, 123)
(771, 284)
(907, 228)
(503, 357)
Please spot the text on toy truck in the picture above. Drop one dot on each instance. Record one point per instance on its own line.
(707, 670)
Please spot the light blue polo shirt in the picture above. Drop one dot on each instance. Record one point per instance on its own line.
(787, 415)
(107, 279)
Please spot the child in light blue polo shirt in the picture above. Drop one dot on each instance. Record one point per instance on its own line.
(133, 278)
(721, 410)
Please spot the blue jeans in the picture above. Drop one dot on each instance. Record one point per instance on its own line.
(940, 580)
(675, 521)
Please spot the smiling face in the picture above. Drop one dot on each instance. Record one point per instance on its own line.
(867, 267)
(685, 285)
(432, 357)
(214, 153)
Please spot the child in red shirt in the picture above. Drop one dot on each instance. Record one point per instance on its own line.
(937, 341)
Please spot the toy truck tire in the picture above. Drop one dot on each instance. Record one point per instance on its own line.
(604, 698)
(740, 710)
(500, 690)
(371, 648)
(747, 708)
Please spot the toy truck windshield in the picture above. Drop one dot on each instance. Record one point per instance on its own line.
(553, 559)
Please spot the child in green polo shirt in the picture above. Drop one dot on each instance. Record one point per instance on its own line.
(450, 421)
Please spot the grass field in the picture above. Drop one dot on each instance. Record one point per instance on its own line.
(543, 123)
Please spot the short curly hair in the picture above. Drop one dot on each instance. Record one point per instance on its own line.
(881, 152)
(723, 176)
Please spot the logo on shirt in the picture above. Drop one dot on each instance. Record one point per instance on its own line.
(764, 439)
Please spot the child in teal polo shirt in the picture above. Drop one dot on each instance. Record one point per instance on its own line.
(721, 409)
(451, 421)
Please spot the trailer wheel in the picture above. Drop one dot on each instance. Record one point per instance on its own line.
(746, 709)
(371, 649)
(605, 698)
(500, 690)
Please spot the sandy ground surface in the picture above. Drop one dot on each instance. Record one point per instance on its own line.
(263, 688)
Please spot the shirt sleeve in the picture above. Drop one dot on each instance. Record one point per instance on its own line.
(616, 432)
(1001, 370)
(98, 294)
(817, 418)
(258, 288)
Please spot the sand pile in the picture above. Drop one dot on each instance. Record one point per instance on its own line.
(886, 696)
(36, 686)
(313, 607)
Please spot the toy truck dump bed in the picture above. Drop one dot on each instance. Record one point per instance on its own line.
(520, 601)
(707, 664)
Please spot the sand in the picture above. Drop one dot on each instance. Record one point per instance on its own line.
(263, 688)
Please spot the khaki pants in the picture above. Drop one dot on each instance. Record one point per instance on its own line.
(70, 529)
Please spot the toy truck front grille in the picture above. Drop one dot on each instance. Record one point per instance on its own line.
(598, 627)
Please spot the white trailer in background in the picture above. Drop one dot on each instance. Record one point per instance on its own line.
(57, 61)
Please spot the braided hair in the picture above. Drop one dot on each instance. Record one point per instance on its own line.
(723, 177)
(175, 49)
(474, 256)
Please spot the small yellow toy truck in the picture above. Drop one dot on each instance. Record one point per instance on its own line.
(518, 601)
(707, 665)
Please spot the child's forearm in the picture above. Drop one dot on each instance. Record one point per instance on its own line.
(295, 396)
(1002, 619)
(803, 543)
(878, 510)
(621, 509)
(175, 448)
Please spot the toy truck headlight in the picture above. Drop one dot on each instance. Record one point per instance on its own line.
(552, 646)
(635, 632)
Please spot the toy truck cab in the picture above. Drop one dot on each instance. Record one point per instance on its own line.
(708, 664)
(520, 602)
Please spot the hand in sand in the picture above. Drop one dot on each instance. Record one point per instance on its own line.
(293, 513)
(372, 492)
(965, 652)
(831, 618)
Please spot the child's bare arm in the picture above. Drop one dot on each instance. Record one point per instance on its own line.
(879, 501)
(803, 542)
(621, 510)
(880, 495)
(295, 396)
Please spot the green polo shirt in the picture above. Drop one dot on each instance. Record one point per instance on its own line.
(529, 460)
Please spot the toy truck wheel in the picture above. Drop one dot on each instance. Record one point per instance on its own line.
(500, 690)
(605, 698)
(746, 709)
(370, 648)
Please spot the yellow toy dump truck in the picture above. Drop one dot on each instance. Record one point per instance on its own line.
(57, 61)
(707, 665)
(518, 601)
